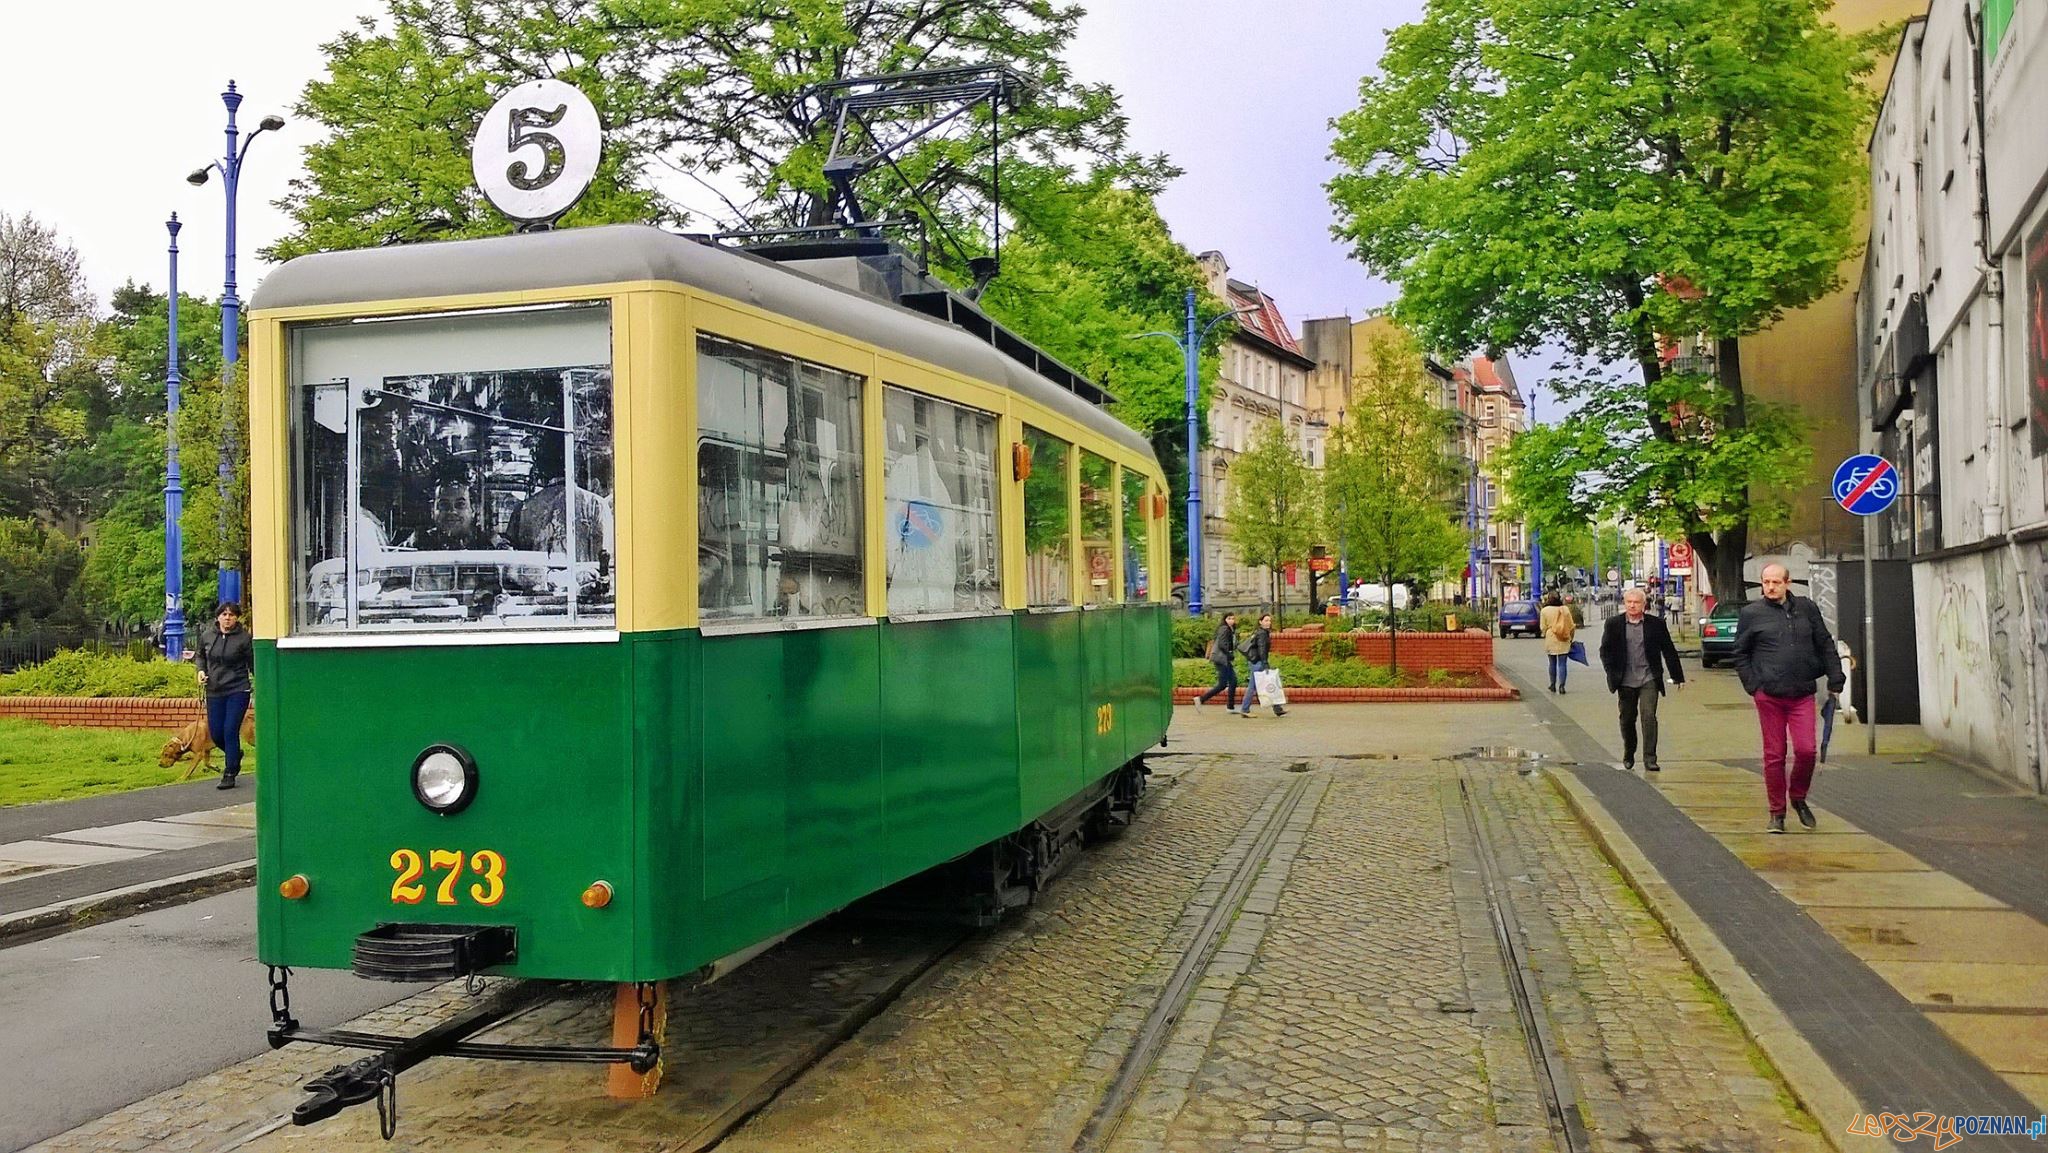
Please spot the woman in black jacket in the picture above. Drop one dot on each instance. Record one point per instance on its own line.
(225, 661)
(1223, 654)
(1258, 649)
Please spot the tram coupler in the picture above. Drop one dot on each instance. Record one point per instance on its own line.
(369, 1079)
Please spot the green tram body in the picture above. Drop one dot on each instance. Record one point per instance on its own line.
(731, 785)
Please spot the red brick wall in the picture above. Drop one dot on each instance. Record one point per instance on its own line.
(1470, 651)
(105, 712)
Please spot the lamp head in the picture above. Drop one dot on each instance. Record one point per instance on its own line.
(197, 178)
(271, 123)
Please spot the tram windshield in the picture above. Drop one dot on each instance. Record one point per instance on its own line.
(454, 472)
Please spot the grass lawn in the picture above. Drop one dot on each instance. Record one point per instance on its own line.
(41, 762)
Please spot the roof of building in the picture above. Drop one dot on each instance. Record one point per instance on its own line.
(1263, 320)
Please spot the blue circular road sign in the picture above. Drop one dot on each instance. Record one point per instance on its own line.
(1866, 484)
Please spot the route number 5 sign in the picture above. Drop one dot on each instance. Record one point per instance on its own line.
(536, 150)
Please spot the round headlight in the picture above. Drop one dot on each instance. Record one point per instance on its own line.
(444, 779)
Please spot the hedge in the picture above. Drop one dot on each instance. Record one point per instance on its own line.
(78, 673)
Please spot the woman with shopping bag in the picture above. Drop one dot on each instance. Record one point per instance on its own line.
(1559, 629)
(1258, 649)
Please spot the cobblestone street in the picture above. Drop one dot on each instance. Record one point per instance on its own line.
(1354, 996)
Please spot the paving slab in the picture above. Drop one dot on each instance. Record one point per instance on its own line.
(1969, 984)
(242, 816)
(65, 853)
(1936, 934)
(1789, 854)
(1877, 890)
(151, 835)
(2008, 1042)
(2034, 1085)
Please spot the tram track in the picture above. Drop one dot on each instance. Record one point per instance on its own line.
(1553, 1076)
(1112, 1107)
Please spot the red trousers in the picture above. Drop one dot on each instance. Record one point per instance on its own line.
(1783, 716)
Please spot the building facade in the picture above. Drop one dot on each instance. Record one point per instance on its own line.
(1490, 412)
(1952, 323)
(1263, 379)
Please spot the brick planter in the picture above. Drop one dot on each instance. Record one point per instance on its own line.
(1500, 690)
(106, 712)
(1470, 651)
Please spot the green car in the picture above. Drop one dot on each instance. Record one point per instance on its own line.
(1717, 633)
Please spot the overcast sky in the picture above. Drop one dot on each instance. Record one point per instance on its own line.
(120, 102)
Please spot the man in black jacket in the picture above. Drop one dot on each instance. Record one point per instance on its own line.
(1781, 647)
(1635, 649)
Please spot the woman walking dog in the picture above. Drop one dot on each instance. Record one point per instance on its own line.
(225, 660)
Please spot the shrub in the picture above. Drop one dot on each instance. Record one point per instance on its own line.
(1332, 647)
(78, 673)
(1294, 672)
(1191, 635)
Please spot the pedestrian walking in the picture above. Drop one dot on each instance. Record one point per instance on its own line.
(1258, 649)
(1223, 654)
(1782, 647)
(1559, 628)
(1635, 649)
(225, 660)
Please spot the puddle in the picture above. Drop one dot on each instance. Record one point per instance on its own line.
(1498, 753)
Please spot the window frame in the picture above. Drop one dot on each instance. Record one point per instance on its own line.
(995, 512)
(290, 630)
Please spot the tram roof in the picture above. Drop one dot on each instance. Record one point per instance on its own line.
(615, 253)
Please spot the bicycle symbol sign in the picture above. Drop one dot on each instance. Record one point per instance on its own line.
(1866, 484)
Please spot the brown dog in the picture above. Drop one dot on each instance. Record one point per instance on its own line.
(195, 741)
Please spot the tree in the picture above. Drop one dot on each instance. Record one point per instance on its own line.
(1271, 508)
(45, 319)
(1599, 176)
(1390, 481)
(723, 94)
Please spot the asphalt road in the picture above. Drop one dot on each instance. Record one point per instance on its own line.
(102, 1017)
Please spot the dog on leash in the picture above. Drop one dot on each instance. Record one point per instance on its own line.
(195, 741)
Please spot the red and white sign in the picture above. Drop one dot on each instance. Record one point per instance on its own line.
(1678, 559)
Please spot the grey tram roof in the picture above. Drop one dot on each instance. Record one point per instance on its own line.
(627, 252)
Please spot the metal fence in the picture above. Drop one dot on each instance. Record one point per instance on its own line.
(19, 648)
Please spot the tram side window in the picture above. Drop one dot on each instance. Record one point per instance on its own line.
(779, 497)
(1048, 523)
(939, 495)
(1137, 576)
(454, 473)
(1098, 529)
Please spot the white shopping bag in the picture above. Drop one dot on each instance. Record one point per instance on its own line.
(1267, 682)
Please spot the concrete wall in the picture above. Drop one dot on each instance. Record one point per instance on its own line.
(1977, 694)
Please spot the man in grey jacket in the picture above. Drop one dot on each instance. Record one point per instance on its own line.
(1782, 647)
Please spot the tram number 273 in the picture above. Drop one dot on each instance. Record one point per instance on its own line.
(484, 863)
(1105, 720)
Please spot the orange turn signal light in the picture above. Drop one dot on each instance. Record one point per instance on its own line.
(598, 895)
(294, 887)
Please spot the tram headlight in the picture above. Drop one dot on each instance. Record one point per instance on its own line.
(444, 779)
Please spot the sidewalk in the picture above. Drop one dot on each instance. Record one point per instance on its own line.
(65, 862)
(1893, 960)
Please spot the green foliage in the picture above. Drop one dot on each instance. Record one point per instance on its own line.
(1271, 510)
(1632, 169)
(1191, 635)
(124, 570)
(1389, 478)
(1294, 673)
(1332, 647)
(209, 419)
(39, 569)
(80, 673)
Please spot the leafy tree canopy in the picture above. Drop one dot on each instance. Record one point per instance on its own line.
(1600, 173)
(1271, 508)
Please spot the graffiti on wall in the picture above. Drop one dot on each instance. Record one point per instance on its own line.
(1826, 597)
(1972, 699)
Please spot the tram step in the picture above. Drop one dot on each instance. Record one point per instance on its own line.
(412, 952)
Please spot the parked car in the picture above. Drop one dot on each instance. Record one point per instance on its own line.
(1518, 617)
(1717, 634)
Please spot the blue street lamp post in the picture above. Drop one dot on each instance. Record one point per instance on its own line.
(174, 488)
(1191, 360)
(230, 168)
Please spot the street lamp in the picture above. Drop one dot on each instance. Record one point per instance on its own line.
(230, 169)
(1190, 351)
(174, 488)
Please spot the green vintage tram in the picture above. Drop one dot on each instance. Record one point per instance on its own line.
(624, 602)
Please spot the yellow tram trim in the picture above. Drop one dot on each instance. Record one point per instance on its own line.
(654, 330)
